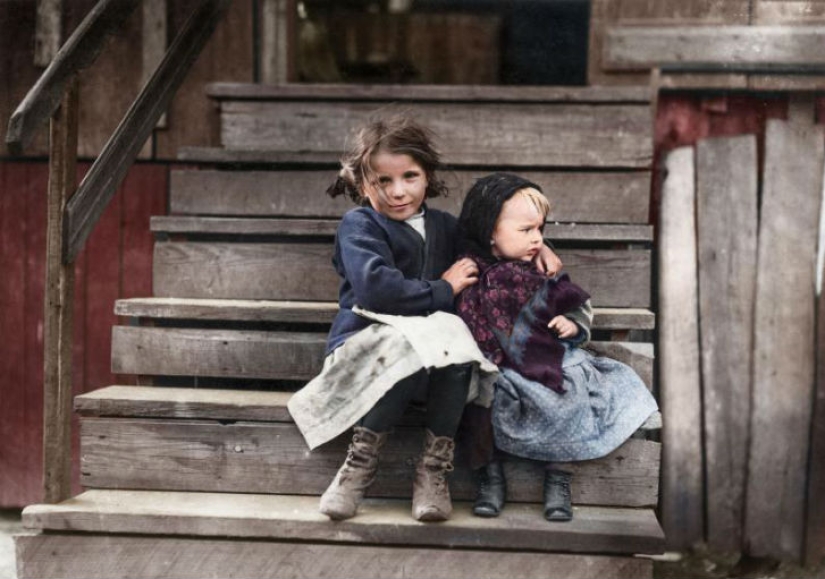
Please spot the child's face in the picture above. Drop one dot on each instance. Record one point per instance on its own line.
(518, 231)
(399, 187)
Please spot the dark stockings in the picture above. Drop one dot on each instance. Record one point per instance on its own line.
(443, 389)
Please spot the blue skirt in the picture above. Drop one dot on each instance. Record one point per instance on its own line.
(604, 403)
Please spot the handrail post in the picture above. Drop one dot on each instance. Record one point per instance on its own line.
(58, 314)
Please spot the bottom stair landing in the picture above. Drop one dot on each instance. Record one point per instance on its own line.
(147, 534)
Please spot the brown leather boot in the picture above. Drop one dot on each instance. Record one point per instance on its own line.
(344, 494)
(431, 492)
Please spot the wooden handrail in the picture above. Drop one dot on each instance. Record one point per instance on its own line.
(100, 183)
(77, 53)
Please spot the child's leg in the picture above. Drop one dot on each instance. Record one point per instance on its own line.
(344, 494)
(446, 396)
(557, 502)
(389, 410)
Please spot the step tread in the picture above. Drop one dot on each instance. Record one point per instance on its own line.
(451, 93)
(315, 312)
(594, 232)
(380, 521)
(211, 403)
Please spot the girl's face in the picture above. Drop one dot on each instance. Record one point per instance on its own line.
(518, 231)
(399, 187)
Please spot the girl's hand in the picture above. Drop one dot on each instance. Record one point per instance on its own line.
(564, 327)
(547, 261)
(461, 275)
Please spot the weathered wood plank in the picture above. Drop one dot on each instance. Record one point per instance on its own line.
(734, 47)
(279, 270)
(784, 339)
(266, 355)
(205, 226)
(102, 180)
(257, 457)
(680, 394)
(380, 522)
(275, 57)
(58, 319)
(579, 196)
(154, 31)
(48, 34)
(56, 556)
(772, 12)
(228, 353)
(317, 312)
(434, 93)
(530, 134)
(726, 181)
(815, 519)
(228, 55)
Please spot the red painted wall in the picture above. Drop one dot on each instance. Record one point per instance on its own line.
(116, 263)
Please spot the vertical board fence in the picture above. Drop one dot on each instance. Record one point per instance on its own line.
(117, 263)
(757, 209)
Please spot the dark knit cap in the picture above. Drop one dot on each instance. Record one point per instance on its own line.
(483, 204)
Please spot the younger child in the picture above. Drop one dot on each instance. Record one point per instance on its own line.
(554, 402)
(391, 342)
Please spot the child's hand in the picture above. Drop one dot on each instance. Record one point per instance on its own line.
(564, 327)
(461, 275)
(547, 261)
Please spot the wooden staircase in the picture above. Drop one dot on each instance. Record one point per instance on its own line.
(199, 470)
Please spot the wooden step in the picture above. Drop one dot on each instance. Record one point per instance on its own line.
(95, 556)
(245, 441)
(450, 93)
(315, 312)
(273, 355)
(509, 134)
(379, 522)
(578, 196)
(200, 227)
(280, 269)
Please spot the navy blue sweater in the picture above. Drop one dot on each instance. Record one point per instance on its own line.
(386, 267)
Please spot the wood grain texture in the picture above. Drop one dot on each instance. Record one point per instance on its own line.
(227, 353)
(228, 55)
(578, 196)
(679, 363)
(772, 12)
(723, 46)
(784, 339)
(229, 456)
(399, 92)
(49, 32)
(284, 227)
(726, 182)
(108, 557)
(662, 13)
(58, 319)
(516, 134)
(316, 312)
(614, 278)
(380, 522)
(262, 354)
(815, 520)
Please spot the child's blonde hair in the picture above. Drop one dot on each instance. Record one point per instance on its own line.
(397, 135)
(537, 198)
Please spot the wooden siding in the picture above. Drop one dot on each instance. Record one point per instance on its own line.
(116, 263)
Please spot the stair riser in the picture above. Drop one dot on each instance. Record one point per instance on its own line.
(273, 458)
(588, 197)
(266, 355)
(470, 133)
(58, 556)
(282, 271)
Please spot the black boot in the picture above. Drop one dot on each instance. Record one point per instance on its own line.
(492, 490)
(557, 506)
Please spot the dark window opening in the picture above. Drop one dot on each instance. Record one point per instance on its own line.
(526, 42)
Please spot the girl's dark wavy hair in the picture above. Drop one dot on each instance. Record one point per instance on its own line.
(398, 135)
